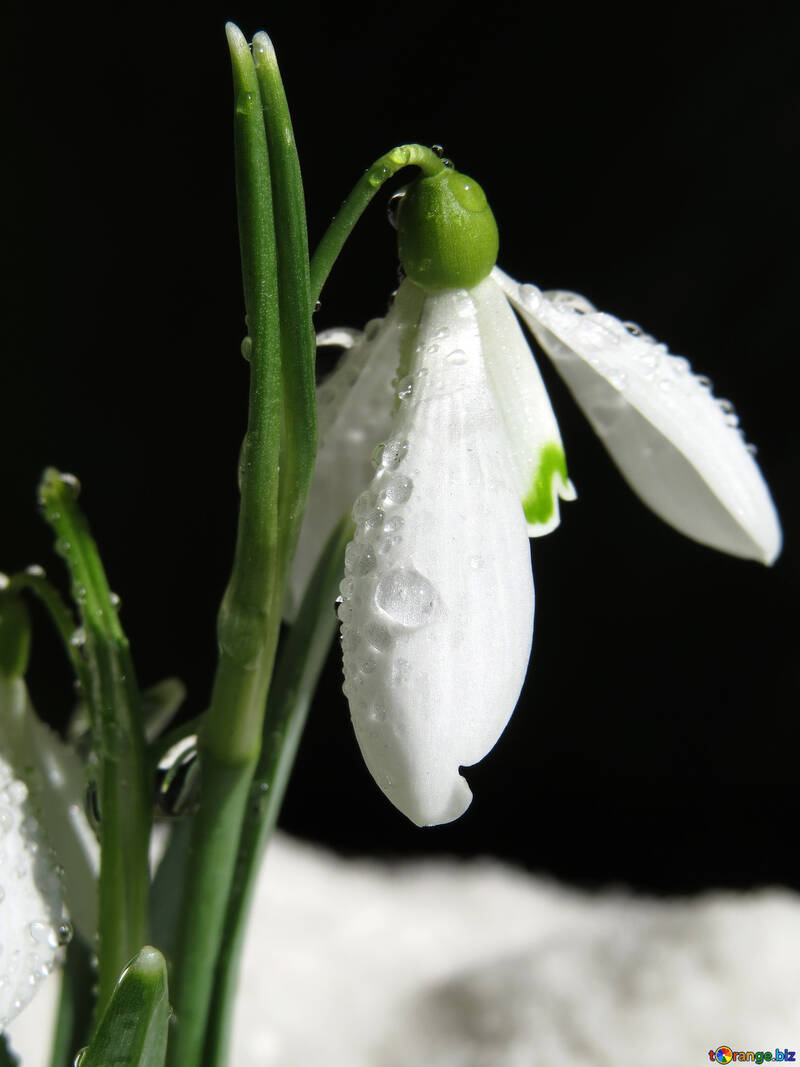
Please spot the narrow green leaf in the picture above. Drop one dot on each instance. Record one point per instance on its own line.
(248, 621)
(298, 344)
(113, 698)
(134, 1028)
(15, 635)
(35, 580)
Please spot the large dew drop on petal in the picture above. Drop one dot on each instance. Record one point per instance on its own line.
(437, 599)
(679, 447)
(31, 926)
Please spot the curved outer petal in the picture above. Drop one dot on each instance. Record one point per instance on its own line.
(677, 445)
(355, 409)
(523, 402)
(30, 905)
(437, 612)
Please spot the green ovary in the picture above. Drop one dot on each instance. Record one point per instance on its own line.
(539, 503)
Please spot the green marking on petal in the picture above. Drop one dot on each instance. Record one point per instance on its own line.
(539, 504)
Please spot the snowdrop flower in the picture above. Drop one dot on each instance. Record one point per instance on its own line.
(437, 599)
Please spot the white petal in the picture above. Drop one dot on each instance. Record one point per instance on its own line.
(30, 904)
(523, 402)
(437, 605)
(355, 408)
(677, 445)
(57, 782)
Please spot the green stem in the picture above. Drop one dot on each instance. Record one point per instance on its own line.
(118, 740)
(249, 616)
(224, 791)
(350, 212)
(302, 659)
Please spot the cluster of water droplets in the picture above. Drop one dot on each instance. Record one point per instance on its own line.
(383, 597)
(646, 358)
(32, 928)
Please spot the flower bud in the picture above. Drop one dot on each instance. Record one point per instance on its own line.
(447, 236)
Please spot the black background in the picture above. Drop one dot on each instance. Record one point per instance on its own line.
(648, 165)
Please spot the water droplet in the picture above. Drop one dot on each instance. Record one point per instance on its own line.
(346, 588)
(378, 636)
(41, 933)
(457, 357)
(393, 524)
(387, 542)
(247, 348)
(72, 483)
(5, 581)
(405, 387)
(365, 513)
(633, 328)
(63, 546)
(317, 305)
(704, 382)
(368, 666)
(78, 638)
(64, 932)
(244, 103)
(359, 559)
(81, 1056)
(393, 207)
(116, 600)
(618, 378)
(407, 597)
(395, 490)
(35, 571)
(377, 175)
(751, 448)
(726, 407)
(393, 454)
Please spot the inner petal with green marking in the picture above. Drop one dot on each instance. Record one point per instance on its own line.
(540, 503)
